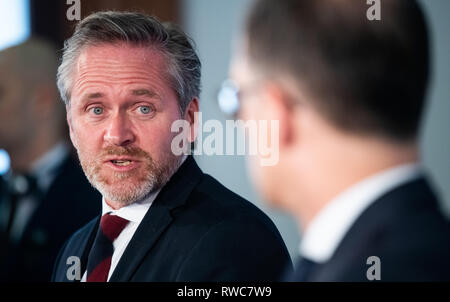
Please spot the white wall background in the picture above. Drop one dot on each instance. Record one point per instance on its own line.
(213, 24)
(14, 22)
(435, 141)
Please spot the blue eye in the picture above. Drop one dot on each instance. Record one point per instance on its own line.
(97, 110)
(144, 109)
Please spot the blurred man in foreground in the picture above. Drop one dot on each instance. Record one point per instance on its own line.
(348, 94)
(36, 213)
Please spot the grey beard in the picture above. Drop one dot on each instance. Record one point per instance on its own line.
(157, 175)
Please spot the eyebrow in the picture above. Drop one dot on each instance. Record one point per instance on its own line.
(91, 96)
(95, 95)
(135, 92)
(145, 92)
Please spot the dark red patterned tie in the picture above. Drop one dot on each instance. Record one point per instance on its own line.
(99, 260)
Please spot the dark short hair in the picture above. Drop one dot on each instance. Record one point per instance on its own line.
(137, 29)
(365, 76)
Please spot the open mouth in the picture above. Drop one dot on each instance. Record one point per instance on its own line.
(121, 162)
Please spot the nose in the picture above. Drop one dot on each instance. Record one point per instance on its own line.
(119, 131)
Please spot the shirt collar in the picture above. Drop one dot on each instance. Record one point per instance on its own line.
(134, 212)
(330, 225)
(45, 167)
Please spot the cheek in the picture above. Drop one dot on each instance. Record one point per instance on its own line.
(156, 137)
(247, 112)
(85, 138)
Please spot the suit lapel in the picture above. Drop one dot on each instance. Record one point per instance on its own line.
(174, 194)
(79, 246)
(86, 245)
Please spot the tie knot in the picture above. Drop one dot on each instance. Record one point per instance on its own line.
(112, 225)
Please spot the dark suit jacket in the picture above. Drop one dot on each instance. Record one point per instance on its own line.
(69, 203)
(195, 230)
(405, 229)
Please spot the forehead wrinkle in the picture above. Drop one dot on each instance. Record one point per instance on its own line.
(143, 86)
(110, 70)
(120, 54)
(121, 59)
(102, 77)
(107, 69)
(117, 78)
(111, 65)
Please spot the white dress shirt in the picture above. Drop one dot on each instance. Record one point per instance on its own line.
(134, 213)
(330, 225)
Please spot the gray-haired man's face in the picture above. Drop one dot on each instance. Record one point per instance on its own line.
(120, 115)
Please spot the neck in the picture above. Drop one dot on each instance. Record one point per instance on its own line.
(113, 205)
(327, 174)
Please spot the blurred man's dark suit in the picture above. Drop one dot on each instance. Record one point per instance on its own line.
(404, 228)
(195, 230)
(69, 202)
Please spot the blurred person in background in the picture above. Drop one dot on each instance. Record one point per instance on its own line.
(348, 94)
(36, 212)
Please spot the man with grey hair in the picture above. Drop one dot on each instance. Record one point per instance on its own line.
(125, 78)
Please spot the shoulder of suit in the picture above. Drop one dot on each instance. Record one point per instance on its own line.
(220, 204)
(84, 231)
(220, 196)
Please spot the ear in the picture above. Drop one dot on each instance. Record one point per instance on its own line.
(190, 115)
(279, 105)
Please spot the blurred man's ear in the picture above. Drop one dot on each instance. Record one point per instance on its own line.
(279, 106)
(190, 115)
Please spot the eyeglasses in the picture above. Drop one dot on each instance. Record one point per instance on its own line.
(228, 98)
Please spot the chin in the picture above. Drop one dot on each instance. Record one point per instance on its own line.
(122, 188)
(125, 194)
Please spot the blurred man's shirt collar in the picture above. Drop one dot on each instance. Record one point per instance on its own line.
(46, 167)
(329, 227)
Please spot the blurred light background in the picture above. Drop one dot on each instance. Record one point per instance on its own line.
(4, 161)
(214, 26)
(14, 22)
(14, 29)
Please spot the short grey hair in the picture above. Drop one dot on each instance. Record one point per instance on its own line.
(137, 29)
